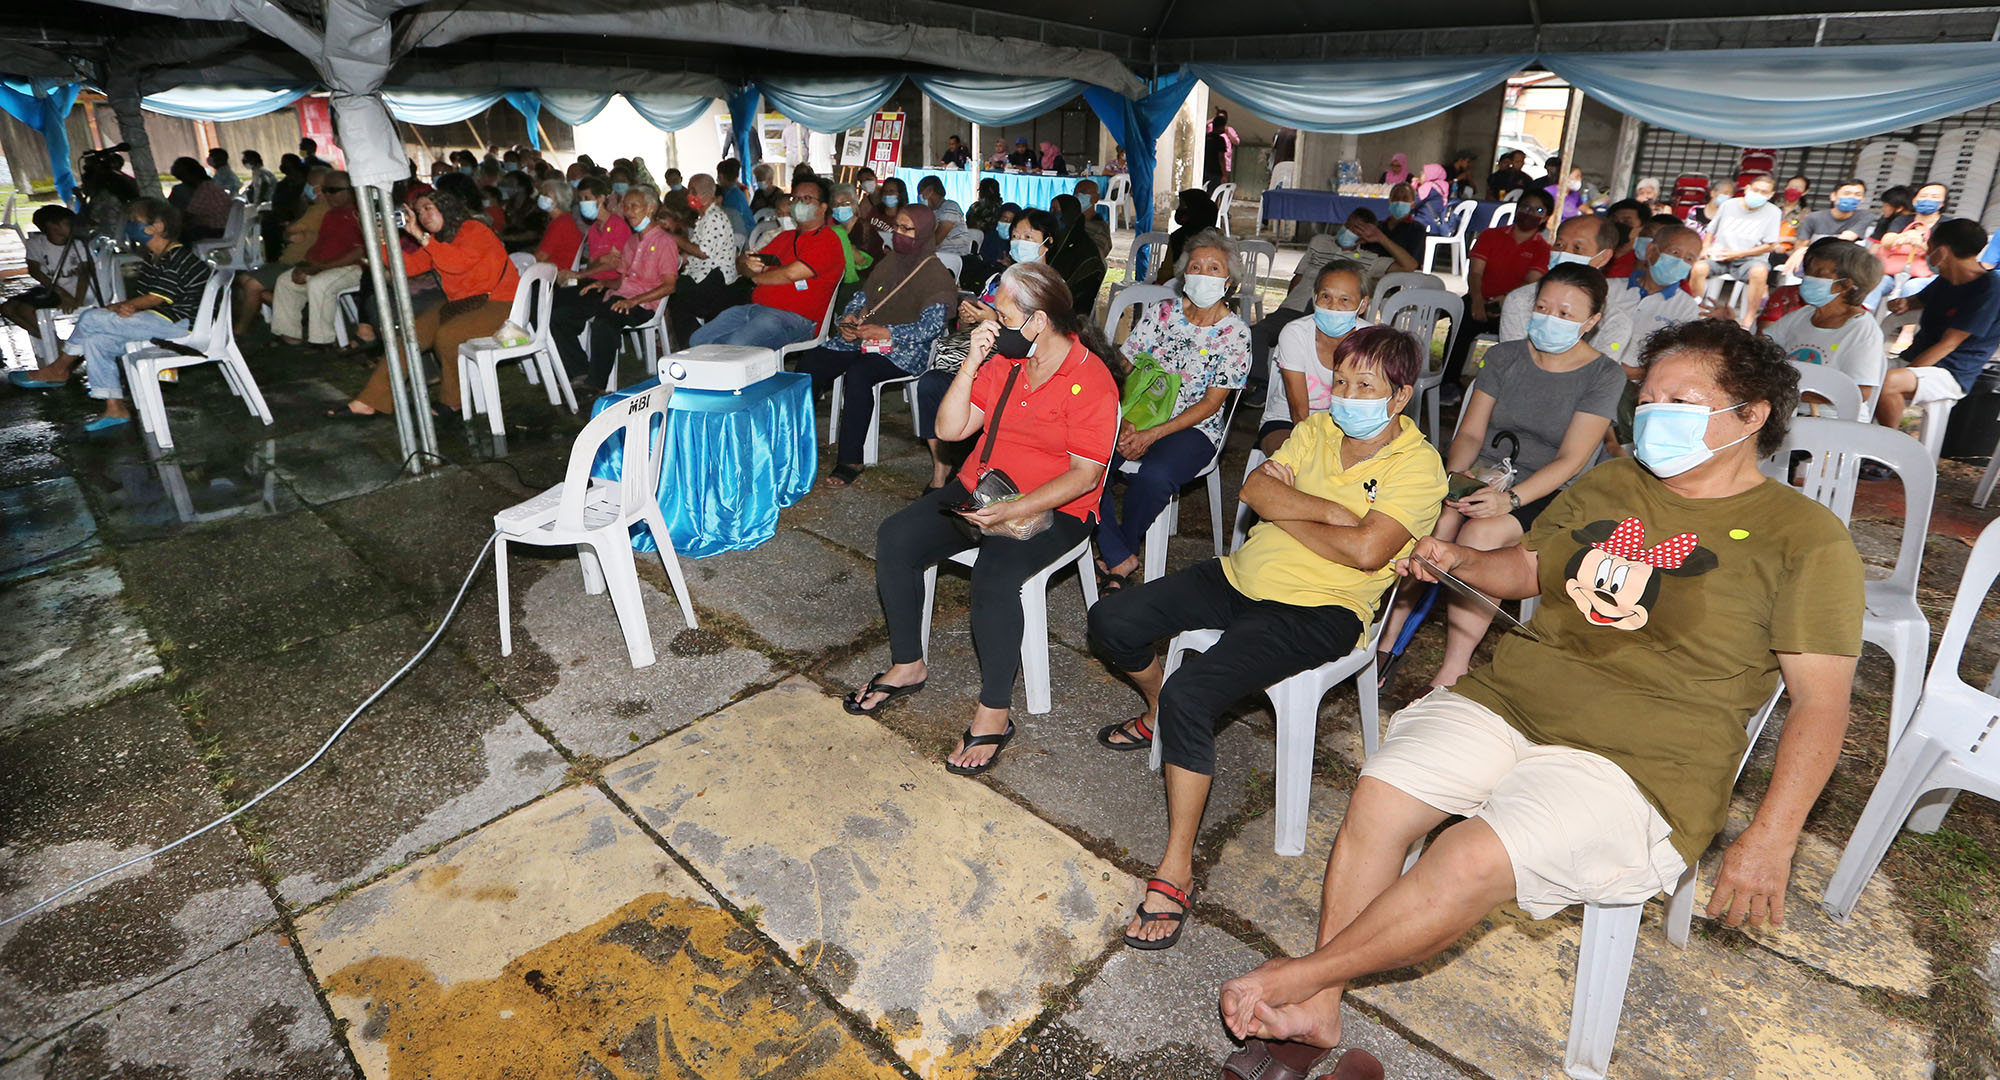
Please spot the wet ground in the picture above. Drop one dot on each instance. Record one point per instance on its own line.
(552, 865)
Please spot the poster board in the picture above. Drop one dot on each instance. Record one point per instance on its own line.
(854, 146)
(885, 143)
(316, 123)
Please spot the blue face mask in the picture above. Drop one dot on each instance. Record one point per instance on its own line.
(1024, 251)
(889, 201)
(588, 210)
(1847, 204)
(1927, 206)
(136, 234)
(308, 192)
(466, 169)
(547, 204)
(644, 224)
(1346, 238)
(1551, 334)
(1558, 258)
(1359, 418)
(1817, 291)
(620, 188)
(1640, 245)
(1399, 209)
(1670, 438)
(1754, 200)
(1334, 323)
(1670, 270)
(843, 214)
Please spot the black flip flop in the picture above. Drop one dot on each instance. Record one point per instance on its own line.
(1178, 918)
(344, 413)
(1141, 741)
(852, 702)
(997, 742)
(1108, 582)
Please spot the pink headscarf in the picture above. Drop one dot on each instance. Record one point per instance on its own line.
(1399, 169)
(1050, 152)
(1434, 180)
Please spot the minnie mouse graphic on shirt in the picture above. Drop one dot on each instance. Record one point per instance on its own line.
(1615, 578)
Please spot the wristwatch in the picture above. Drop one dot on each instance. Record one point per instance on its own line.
(1513, 499)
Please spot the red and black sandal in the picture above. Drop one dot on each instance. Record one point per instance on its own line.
(1178, 918)
(1116, 737)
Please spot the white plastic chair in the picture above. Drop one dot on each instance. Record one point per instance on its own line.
(1035, 612)
(1117, 200)
(227, 249)
(523, 261)
(1948, 746)
(1454, 244)
(597, 516)
(871, 447)
(651, 343)
(1894, 622)
(1503, 216)
(1398, 281)
(9, 221)
(214, 333)
(1225, 197)
(952, 262)
(479, 360)
(1963, 161)
(1296, 704)
(1835, 386)
(1416, 312)
(761, 234)
(1253, 252)
(1131, 297)
(1153, 550)
(1885, 164)
(1139, 243)
(1284, 174)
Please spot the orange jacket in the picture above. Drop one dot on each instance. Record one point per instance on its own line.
(473, 263)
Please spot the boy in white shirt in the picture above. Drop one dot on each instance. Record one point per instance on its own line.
(59, 262)
(1836, 330)
(1743, 236)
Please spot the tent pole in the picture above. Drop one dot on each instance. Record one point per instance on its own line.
(1571, 122)
(1622, 178)
(375, 232)
(406, 323)
(121, 86)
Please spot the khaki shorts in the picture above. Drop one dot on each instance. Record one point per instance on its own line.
(1935, 384)
(1575, 827)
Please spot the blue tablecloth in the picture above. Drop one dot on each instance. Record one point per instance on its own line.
(962, 187)
(734, 459)
(1300, 204)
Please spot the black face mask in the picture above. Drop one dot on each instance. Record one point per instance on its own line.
(1012, 343)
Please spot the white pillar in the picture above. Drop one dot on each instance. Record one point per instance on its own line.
(1626, 160)
(930, 133)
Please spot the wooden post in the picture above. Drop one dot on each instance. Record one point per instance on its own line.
(1571, 122)
(1622, 170)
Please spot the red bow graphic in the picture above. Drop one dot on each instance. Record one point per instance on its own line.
(1628, 542)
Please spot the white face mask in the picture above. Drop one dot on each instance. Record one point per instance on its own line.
(1205, 290)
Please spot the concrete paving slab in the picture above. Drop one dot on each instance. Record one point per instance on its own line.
(425, 532)
(1500, 998)
(796, 591)
(939, 910)
(73, 641)
(560, 941)
(592, 699)
(83, 794)
(439, 754)
(252, 587)
(44, 525)
(846, 516)
(27, 443)
(139, 493)
(247, 1013)
(335, 461)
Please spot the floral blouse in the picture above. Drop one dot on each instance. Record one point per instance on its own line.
(909, 343)
(1205, 357)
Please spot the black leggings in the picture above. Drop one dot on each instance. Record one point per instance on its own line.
(922, 535)
(572, 311)
(862, 370)
(1264, 642)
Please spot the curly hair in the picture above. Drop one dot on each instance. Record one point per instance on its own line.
(1749, 368)
(453, 210)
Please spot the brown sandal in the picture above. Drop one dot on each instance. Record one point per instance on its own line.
(1260, 1060)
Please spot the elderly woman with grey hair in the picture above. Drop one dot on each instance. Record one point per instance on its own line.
(565, 233)
(1197, 337)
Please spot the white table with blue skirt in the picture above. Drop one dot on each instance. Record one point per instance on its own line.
(1023, 189)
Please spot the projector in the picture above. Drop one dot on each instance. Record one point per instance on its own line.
(718, 367)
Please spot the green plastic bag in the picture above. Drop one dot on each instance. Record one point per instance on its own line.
(1151, 393)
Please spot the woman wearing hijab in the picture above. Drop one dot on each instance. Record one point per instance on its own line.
(1399, 169)
(1219, 158)
(1074, 255)
(1433, 200)
(885, 332)
(1052, 159)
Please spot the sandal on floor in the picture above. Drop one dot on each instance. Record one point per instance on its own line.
(1108, 582)
(342, 412)
(1139, 737)
(997, 742)
(1356, 1065)
(852, 702)
(1260, 1060)
(844, 475)
(1178, 918)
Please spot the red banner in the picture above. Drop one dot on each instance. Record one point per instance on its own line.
(885, 143)
(316, 123)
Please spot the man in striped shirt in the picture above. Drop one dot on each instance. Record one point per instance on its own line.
(166, 290)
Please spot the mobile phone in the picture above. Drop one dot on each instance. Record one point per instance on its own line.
(765, 257)
(402, 221)
(1460, 485)
(963, 507)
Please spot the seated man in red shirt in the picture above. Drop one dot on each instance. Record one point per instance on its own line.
(1502, 260)
(306, 302)
(794, 275)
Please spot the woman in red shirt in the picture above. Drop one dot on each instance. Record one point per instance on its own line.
(479, 282)
(564, 236)
(1034, 383)
(1502, 260)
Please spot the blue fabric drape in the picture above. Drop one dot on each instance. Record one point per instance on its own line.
(42, 105)
(668, 112)
(1356, 96)
(1137, 126)
(997, 99)
(435, 107)
(1789, 97)
(529, 105)
(222, 103)
(743, 103)
(830, 105)
(574, 107)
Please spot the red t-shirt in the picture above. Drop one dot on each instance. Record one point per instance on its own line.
(1622, 266)
(1508, 261)
(339, 233)
(1074, 412)
(560, 241)
(818, 249)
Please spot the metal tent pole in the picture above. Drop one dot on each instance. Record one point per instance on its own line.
(374, 231)
(405, 323)
(1571, 122)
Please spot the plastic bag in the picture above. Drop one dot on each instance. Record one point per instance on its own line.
(1150, 394)
(510, 335)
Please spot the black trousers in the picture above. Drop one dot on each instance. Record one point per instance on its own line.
(863, 371)
(1264, 642)
(921, 535)
(571, 312)
(696, 302)
(1461, 347)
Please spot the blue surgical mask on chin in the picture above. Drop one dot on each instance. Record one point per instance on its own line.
(1334, 323)
(1669, 438)
(1817, 291)
(1360, 418)
(1670, 270)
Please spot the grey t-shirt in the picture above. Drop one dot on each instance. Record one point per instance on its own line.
(1537, 406)
(1822, 223)
(1739, 228)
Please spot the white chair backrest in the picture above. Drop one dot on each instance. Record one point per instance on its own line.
(1119, 187)
(212, 313)
(952, 262)
(232, 229)
(534, 298)
(1963, 161)
(1502, 215)
(765, 214)
(1835, 386)
(1885, 163)
(645, 455)
(523, 260)
(1417, 312)
(1224, 195)
(1832, 470)
(1980, 570)
(1284, 174)
(1397, 282)
(104, 259)
(1254, 251)
(7, 219)
(764, 233)
(1461, 216)
(1130, 297)
(1140, 243)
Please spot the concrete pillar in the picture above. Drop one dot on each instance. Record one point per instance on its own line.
(931, 148)
(1318, 158)
(1626, 159)
(121, 88)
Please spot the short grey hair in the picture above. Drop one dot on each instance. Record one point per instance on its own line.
(559, 192)
(845, 189)
(651, 193)
(1213, 238)
(1850, 260)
